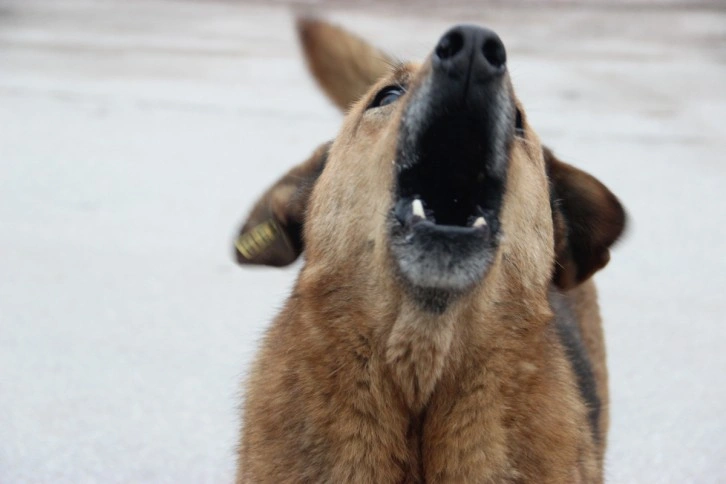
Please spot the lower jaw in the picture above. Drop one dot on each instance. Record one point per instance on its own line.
(447, 275)
(435, 273)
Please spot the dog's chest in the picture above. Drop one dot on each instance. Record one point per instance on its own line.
(414, 440)
(416, 353)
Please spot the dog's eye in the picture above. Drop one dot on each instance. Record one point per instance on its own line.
(519, 124)
(387, 95)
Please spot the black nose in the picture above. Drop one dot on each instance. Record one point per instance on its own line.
(468, 49)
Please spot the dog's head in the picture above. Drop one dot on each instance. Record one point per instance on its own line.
(436, 184)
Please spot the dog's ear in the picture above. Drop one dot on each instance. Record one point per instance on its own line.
(344, 65)
(272, 233)
(588, 219)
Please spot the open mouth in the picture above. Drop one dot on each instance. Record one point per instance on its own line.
(451, 186)
(449, 191)
(452, 158)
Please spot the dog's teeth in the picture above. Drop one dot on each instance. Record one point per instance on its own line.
(418, 210)
(480, 222)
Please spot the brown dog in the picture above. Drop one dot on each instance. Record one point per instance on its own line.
(443, 327)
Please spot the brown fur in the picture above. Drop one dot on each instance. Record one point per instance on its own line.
(356, 383)
(344, 65)
(271, 235)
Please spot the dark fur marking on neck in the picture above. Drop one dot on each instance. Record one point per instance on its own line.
(571, 338)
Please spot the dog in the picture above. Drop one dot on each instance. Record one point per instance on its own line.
(444, 327)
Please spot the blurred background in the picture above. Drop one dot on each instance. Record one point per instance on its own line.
(135, 134)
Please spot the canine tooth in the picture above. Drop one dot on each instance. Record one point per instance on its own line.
(418, 209)
(480, 222)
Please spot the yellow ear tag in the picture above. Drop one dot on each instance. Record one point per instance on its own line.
(255, 241)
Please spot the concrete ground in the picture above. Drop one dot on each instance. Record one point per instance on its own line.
(134, 135)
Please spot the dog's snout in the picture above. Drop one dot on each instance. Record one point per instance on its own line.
(493, 51)
(450, 45)
(468, 49)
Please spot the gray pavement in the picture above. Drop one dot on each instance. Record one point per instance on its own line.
(134, 135)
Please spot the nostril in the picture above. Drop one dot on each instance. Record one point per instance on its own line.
(494, 52)
(450, 45)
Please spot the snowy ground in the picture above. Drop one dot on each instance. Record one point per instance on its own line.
(135, 134)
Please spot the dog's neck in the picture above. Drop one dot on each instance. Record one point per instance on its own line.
(416, 343)
(417, 350)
